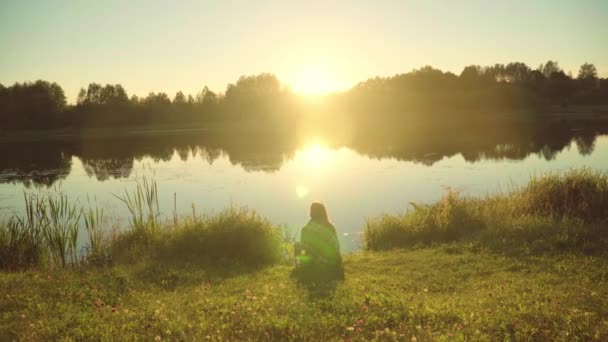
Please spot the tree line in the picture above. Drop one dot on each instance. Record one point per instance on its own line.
(510, 87)
(263, 99)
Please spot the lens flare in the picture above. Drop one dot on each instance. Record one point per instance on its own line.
(301, 191)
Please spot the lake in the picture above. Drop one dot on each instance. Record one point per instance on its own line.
(279, 178)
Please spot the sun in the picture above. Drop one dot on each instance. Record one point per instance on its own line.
(314, 80)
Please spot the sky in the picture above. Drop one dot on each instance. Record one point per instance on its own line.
(313, 46)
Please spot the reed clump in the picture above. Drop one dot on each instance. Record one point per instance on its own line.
(48, 233)
(232, 236)
(552, 212)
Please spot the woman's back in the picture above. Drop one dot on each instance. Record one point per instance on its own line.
(320, 242)
(318, 253)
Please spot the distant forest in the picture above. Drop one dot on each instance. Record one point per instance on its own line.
(424, 93)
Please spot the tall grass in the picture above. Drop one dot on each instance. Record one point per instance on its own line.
(552, 212)
(21, 244)
(143, 207)
(579, 193)
(60, 222)
(48, 232)
(93, 218)
(232, 236)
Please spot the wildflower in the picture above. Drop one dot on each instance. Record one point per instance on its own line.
(425, 290)
(22, 316)
(360, 322)
(168, 332)
(113, 309)
(350, 328)
(157, 338)
(414, 339)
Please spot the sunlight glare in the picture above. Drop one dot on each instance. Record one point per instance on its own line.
(315, 156)
(314, 80)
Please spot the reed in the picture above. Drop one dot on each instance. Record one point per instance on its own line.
(143, 207)
(93, 217)
(60, 222)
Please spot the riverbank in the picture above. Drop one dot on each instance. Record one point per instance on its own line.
(530, 264)
(442, 293)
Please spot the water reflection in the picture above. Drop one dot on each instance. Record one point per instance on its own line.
(44, 162)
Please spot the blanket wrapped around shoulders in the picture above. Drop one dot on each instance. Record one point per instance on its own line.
(319, 244)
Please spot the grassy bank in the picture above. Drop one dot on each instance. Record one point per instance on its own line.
(431, 294)
(529, 264)
(552, 213)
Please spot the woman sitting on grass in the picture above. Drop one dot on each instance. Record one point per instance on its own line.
(318, 253)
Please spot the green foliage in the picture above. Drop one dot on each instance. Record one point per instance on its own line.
(552, 213)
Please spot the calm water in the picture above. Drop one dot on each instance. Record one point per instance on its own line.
(280, 180)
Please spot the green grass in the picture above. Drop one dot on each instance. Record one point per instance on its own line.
(443, 293)
(552, 213)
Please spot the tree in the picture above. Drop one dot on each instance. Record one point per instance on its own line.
(587, 72)
(496, 72)
(471, 73)
(179, 99)
(82, 97)
(247, 87)
(517, 72)
(550, 68)
(206, 97)
(160, 99)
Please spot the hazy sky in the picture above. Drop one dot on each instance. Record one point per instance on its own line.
(184, 45)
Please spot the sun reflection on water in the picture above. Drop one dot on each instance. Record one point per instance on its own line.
(312, 162)
(315, 155)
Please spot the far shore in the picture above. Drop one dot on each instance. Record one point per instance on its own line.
(572, 114)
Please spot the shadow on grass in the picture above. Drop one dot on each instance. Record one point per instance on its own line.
(170, 276)
(319, 283)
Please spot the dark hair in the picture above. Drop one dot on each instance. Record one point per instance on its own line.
(318, 212)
